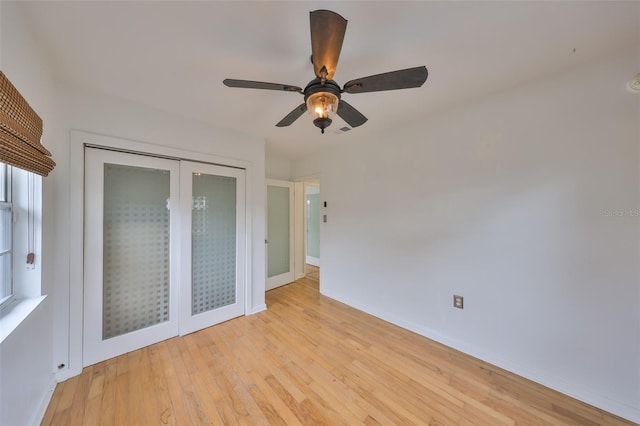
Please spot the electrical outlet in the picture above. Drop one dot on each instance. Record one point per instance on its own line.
(458, 301)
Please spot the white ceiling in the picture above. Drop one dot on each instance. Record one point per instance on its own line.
(174, 55)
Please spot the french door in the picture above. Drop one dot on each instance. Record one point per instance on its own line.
(164, 250)
(280, 230)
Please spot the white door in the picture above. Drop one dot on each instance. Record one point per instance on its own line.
(131, 262)
(213, 245)
(164, 250)
(312, 204)
(280, 232)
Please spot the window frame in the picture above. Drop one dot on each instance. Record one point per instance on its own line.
(6, 202)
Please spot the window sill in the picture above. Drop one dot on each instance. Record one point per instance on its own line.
(15, 312)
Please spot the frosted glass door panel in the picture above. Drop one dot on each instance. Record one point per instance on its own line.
(135, 249)
(278, 230)
(213, 242)
(213, 247)
(131, 248)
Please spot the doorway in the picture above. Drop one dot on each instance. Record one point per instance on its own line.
(164, 249)
(293, 231)
(312, 215)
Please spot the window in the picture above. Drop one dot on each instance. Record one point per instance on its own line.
(6, 234)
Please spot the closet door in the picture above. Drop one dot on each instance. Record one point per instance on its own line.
(131, 257)
(213, 247)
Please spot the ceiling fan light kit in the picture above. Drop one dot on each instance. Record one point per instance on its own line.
(322, 96)
(322, 102)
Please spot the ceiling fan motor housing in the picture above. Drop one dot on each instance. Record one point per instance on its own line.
(316, 86)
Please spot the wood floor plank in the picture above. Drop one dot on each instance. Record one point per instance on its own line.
(67, 389)
(185, 391)
(136, 367)
(53, 406)
(308, 360)
(179, 412)
(121, 411)
(159, 362)
(101, 399)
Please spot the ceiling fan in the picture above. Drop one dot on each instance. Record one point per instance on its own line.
(322, 96)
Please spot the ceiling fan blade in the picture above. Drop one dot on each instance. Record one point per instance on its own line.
(352, 116)
(401, 79)
(247, 84)
(293, 115)
(327, 35)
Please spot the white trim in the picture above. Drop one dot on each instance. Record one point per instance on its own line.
(248, 289)
(145, 148)
(78, 140)
(298, 226)
(73, 364)
(539, 376)
(279, 182)
(14, 312)
(258, 308)
(41, 410)
(311, 189)
(315, 261)
(279, 280)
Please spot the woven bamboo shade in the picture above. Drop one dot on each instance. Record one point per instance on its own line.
(20, 132)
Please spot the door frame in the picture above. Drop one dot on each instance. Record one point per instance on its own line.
(287, 277)
(315, 261)
(72, 349)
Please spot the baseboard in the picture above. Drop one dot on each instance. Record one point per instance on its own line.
(44, 403)
(541, 377)
(258, 308)
(279, 281)
(67, 373)
(315, 261)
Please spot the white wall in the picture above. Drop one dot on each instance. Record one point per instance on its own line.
(510, 201)
(277, 167)
(26, 375)
(80, 109)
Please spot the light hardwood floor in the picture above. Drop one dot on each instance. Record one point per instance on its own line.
(312, 275)
(307, 360)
